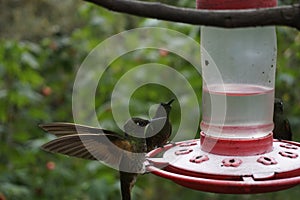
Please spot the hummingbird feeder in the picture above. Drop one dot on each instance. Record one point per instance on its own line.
(236, 152)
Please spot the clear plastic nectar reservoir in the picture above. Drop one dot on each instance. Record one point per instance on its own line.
(238, 69)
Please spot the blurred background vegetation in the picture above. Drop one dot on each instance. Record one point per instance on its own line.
(42, 44)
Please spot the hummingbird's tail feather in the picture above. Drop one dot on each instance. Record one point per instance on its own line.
(127, 181)
(62, 129)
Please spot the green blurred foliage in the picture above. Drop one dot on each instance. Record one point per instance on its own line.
(40, 53)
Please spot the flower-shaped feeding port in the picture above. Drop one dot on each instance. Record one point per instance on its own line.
(209, 172)
(236, 152)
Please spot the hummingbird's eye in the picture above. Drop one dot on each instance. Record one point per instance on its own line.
(138, 123)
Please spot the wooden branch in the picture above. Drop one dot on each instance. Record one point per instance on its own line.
(282, 15)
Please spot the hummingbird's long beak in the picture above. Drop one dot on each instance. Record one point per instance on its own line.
(169, 103)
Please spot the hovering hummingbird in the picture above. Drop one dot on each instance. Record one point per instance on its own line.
(125, 152)
(282, 129)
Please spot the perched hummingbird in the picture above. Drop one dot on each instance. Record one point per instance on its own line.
(159, 131)
(100, 144)
(282, 129)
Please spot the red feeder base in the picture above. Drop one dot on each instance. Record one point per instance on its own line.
(186, 164)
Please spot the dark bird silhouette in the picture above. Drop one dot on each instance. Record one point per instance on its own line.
(282, 129)
(159, 131)
(124, 152)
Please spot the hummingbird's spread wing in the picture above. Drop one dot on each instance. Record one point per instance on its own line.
(62, 128)
(104, 147)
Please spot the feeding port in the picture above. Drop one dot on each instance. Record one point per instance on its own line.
(186, 164)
